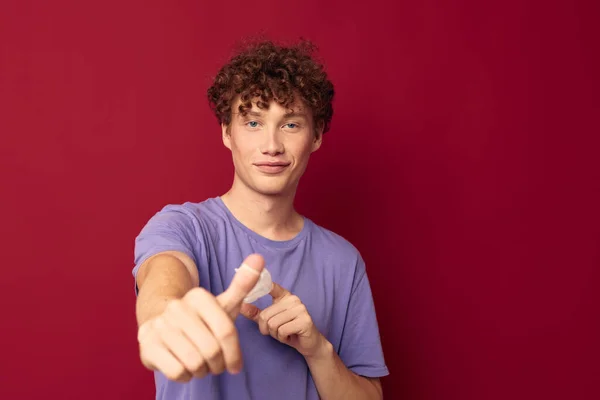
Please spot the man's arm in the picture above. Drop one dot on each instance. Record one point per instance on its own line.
(288, 321)
(335, 381)
(184, 331)
(163, 277)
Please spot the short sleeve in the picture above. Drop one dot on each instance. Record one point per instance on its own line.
(360, 346)
(174, 228)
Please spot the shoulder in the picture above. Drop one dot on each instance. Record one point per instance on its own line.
(193, 219)
(205, 211)
(332, 239)
(334, 245)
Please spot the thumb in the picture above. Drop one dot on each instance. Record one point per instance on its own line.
(243, 281)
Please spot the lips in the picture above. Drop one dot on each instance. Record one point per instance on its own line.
(271, 167)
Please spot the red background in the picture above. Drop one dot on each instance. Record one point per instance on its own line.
(462, 162)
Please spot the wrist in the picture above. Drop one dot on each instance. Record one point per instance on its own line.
(323, 350)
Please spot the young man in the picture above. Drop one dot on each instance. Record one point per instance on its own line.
(315, 335)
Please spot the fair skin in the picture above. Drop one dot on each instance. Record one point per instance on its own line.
(186, 332)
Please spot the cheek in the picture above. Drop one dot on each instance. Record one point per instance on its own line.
(303, 150)
(243, 148)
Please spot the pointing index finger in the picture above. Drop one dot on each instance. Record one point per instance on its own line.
(278, 292)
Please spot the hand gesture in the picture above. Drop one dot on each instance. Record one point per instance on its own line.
(287, 320)
(196, 335)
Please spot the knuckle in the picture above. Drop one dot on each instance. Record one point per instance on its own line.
(193, 361)
(176, 373)
(173, 306)
(159, 325)
(227, 333)
(280, 333)
(214, 354)
(198, 367)
(271, 324)
(162, 330)
(262, 318)
(145, 332)
(195, 295)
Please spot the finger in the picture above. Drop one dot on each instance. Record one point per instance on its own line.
(144, 332)
(267, 314)
(279, 307)
(243, 281)
(181, 347)
(180, 314)
(282, 318)
(160, 359)
(222, 329)
(250, 311)
(278, 292)
(294, 327)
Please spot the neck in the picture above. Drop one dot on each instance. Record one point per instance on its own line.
(271, 216)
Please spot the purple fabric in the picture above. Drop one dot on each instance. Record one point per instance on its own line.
(324, 270)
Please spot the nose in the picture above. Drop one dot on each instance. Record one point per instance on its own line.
(272, 144)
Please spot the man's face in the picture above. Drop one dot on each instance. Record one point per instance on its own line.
(271, 148)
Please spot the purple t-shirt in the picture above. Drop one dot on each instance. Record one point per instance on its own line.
(324, 270)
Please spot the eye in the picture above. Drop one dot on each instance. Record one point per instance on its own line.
(291, 126)
(252, 124)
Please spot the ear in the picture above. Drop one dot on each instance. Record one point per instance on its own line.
(318, 140)
(226, 136)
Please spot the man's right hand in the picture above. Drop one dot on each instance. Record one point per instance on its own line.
(196, 335)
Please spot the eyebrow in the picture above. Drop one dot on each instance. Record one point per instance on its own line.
(292, 114)
(254, 113)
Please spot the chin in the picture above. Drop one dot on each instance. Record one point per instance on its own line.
(270, 191)
(271, 188)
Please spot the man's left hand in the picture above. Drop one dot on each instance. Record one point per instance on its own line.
(288, 321)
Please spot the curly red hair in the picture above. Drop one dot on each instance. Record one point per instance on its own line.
(265, 72)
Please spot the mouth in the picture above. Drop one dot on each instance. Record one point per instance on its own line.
(271, 167)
